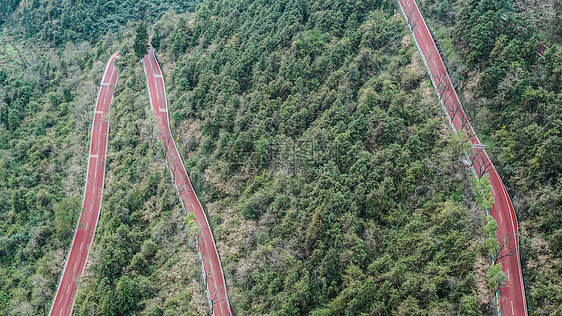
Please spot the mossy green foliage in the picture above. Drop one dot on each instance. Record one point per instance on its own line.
(143, 258)
(483, 192)
(6, 8)
(140, 45)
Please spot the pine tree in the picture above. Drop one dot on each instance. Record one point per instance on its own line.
(141, 41)
(156, 39)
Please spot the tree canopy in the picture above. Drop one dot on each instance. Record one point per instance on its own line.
(140, 45)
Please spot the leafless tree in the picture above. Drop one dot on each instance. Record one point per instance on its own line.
(413, 18)
(21, 307)
(215, 298)
(504, 250)
(41, 293)
(446, 92)
(465, 123)
(441, 81)
(448, 102)
(480, 161)
(167, 142)
(539, 13)
(455, 110)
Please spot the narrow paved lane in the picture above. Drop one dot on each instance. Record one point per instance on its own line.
(88, 221)
(211, 262)
(512, 294)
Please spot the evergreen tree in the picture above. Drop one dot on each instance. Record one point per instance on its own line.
(3, 75)
(141, 41)
(156, 38)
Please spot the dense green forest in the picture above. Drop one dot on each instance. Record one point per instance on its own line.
(333, 184)
(6, 8)
(59, 21)
(47, 100)
(313, 137)
(514, 96)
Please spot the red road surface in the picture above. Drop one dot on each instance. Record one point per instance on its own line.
(211, 263)
(84, 233)
(512, 294)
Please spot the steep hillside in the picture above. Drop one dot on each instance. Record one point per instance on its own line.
(313, 138)
(331, 179)
(59, 21)
(46, 107)
(513, 95)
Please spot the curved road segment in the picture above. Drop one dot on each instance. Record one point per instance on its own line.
(512, 293)
(88, 221)
(214, 277)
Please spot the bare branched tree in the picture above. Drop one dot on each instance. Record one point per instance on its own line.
(214, 298)
(448, 102)
(480, 161)
(429, 59)
(504, 250)
(441, 81)
(537, 12)
(465, 123)
(413, 18)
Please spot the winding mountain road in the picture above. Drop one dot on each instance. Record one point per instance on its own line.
(63, 302)
(214, 277)
(512, 293)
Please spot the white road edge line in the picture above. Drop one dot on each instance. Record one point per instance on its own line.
(176, 150)
(113, 57)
